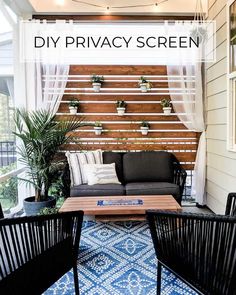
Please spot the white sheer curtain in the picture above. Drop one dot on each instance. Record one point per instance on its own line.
(45, 85)
(54, 79)
(45, 81)
(10, 86)
(191, 112)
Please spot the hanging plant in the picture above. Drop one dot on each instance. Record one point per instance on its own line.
(199, 33)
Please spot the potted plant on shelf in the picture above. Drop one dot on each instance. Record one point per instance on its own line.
(41, 137)
(98, 128)
(97, 82)
(166, 106)
(144, 127)
(144, 84)
(73, 106)
(121, 106)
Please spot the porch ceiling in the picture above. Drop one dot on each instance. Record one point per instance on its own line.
(68, 6)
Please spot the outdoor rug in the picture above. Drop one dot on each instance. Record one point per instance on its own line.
(118, 259)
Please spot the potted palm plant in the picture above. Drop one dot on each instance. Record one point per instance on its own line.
(73, 106)
(121, 106)
(98, 128)
(97, 82)
(144, 127)
(41, 137)
(144, 84)
(166, 106)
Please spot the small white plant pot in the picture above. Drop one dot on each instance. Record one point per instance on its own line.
(120, 111)
(167, 111)
(73, 110)
(98, 130)
(97, 87)
(144, 130)
(144, 87)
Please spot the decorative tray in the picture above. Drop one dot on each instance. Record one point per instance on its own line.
(121, 202)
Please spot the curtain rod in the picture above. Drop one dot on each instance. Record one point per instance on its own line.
(111, 21)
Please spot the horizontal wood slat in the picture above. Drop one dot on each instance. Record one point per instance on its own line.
(119, 134)
(122, 133)
(160, 141)
(102, 97)
(111, 108)
(135, 126)
(108, 84)
(134, 146)
(117, 70)
(115, 117)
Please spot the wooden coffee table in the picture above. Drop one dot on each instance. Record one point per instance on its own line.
(120, 211)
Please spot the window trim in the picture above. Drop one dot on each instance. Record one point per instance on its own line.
(231, 81)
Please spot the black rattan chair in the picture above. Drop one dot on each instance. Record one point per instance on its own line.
(199, 249)
(231, 205)
(1, 212)
(36, 251)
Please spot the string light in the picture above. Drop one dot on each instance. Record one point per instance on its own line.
(107, 11)
(60, 2)
(155, 8)
(107, 8)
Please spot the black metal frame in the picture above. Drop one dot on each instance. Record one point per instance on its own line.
(231, 204)
(180, 175)
(35, 251)
(199, 249)
(1, 212)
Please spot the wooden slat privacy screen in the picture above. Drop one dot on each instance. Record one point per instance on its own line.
(123, 133)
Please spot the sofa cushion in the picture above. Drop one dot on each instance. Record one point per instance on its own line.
(101, 174)
(148, 166)
(112, 157)
(97, 190)
(153, 188)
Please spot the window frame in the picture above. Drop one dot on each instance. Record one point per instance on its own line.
(231, 90)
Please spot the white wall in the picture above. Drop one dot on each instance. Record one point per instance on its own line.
(221, 164)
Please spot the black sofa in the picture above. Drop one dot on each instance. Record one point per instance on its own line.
(140, 173)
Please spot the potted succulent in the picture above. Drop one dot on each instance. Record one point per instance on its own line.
(144, 84)
(41, 136)
(166, 106)
(144, 127)
(97, 82)
(98, 128)
(73, 106)
(121, 106)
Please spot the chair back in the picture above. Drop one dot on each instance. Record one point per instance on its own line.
(200, 249)
(1, 212)
(231, 205)
(35, 251)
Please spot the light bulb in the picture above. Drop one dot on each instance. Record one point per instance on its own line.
(155, 7)
(60, 2)
(107, 11)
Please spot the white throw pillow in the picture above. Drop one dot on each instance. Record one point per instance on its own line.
(101, 174)
(76, 162)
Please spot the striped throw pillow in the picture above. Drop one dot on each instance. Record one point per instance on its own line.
(101, 174)
(76, 163)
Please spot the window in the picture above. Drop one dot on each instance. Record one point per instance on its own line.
(231, 138)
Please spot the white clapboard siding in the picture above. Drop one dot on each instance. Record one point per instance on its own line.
(221, 164)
